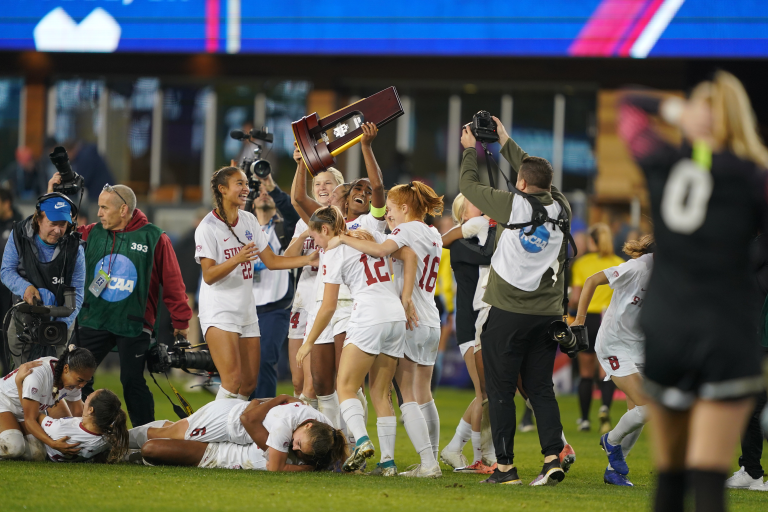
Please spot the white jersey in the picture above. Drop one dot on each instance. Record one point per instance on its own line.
(522, 260)
(38, 386)
(367, 222)
(229, 300)
(482, 284)
(628, 282)
(305, 289)
(374, 296)
(345, 297)
(91, 444)
(427, 243)
(269, 285)
(284, 419)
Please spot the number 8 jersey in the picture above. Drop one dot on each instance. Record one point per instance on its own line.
(427, 243)
(375, 299)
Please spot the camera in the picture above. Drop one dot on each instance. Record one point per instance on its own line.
(572, 340)
(483, 127)
(71, 182)
(255, 167)
(33, 324)
(162, 358)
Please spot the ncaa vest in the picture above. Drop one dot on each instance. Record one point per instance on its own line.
(121, 306)
(522, 260)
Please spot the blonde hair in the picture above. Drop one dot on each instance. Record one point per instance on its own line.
(601, 235)
(457, 208)
(636, 248)
(330, 216)
(419, 197)
(337, 177)
(733, 120)
(361, 234)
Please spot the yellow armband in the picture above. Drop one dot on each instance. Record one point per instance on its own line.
(378, 212)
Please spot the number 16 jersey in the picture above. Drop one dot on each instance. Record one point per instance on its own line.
(427, 243)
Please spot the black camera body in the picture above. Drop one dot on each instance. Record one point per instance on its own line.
(483, 127)
(572, 340)
(71, 182)
(162, 358)
(34, 324)
(254, 168)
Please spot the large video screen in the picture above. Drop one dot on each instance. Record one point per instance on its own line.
(578, 28)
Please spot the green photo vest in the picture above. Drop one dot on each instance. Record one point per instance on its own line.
(120, 307)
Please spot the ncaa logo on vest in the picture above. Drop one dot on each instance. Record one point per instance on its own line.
(123, 279)
(537, 241)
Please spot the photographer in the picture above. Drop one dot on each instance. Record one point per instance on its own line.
(42, 257)
(272, 289)
(525, 291)
(127, 260)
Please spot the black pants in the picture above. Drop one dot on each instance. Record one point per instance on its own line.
(515, 344)
(752, 441)
(138, 397)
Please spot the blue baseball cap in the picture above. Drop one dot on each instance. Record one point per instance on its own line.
(57, 209)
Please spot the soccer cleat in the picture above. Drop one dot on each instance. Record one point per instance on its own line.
(133, 456)
(505, 478)
(583, 425)
(363, 450)
(551, 474)
(742, 480)
(567, 458)
(477, 467)
(605, 420)
(526, 423)
(453, 459)
(384, 469)
(611, 477)
(420, 471)
(615, 456)
(759, 485)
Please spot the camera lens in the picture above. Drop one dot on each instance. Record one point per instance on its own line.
(51, 333)
(261, 168)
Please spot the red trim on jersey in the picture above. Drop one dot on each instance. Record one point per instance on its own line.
(222, 220)
(88, 431)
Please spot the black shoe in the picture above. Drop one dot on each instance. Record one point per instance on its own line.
(503, 477)
(551, 474)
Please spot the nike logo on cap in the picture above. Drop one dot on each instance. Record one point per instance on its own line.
(60, 205)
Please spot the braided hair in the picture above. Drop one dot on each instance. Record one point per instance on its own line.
(77, 358)
(110, 418)
(221, 177)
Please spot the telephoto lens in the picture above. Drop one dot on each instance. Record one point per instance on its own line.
(60, 160)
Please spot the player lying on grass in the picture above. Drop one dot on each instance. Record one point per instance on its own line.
(620, 349)
(53, 386)
(268, 434)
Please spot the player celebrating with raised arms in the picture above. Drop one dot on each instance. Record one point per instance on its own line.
(407, 205)
(375, 333)
(227, 241)
(54, 386)
(620, 348)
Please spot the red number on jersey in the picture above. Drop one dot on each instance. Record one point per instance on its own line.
(369, 277)
(197, 432)
(295, 320)
(247, 270)
(431, 275)
(614, 361)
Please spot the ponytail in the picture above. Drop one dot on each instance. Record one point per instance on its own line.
(332, 217)
(77, 359)
(329, 445)
(361, 234)
(419, 197)
(111, 420)
(601, 235)
(636, 248)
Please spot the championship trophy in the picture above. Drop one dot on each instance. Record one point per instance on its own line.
(320, 140)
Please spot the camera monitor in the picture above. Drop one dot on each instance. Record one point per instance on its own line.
(320, 140)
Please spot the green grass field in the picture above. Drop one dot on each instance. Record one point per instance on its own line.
(84, 487)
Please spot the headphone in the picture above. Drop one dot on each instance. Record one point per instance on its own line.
(57, 195)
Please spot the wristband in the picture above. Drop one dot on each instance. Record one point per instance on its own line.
(378, 212)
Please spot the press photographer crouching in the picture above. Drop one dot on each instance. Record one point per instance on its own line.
(525, 290)
(43, 264)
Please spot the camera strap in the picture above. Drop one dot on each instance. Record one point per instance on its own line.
(182, 413)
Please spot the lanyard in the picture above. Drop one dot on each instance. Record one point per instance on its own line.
(111, 251)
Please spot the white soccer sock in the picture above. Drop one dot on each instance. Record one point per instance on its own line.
(314, 403)
(386, 428)
(489, 451)
(461, 437)
(34, 449)
(297, 396)
(352, 411)
(417, 430)
(631, 421)
(477, 446)
(137, 436)
(329, 406)
(629, 441)
(242, 397)
(223, 393)
(364, 401)
(429, 411)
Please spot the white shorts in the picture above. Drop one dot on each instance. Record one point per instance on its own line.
(297, 328)
(421, 345)
(245, 331)
(233, 456)
(464, 347)
(337, 325)
(214, 423)
(384, 338)
(482, 317)
(6, 405)
(619, 358)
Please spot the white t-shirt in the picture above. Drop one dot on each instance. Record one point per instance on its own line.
(367, 222)
(621, 321)
(345, 297)
(269, 285)
(374, 297)
(38, 386)
(91, 444)
(427, 243)
(230, 300)
(305, 289)
(284, 419)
